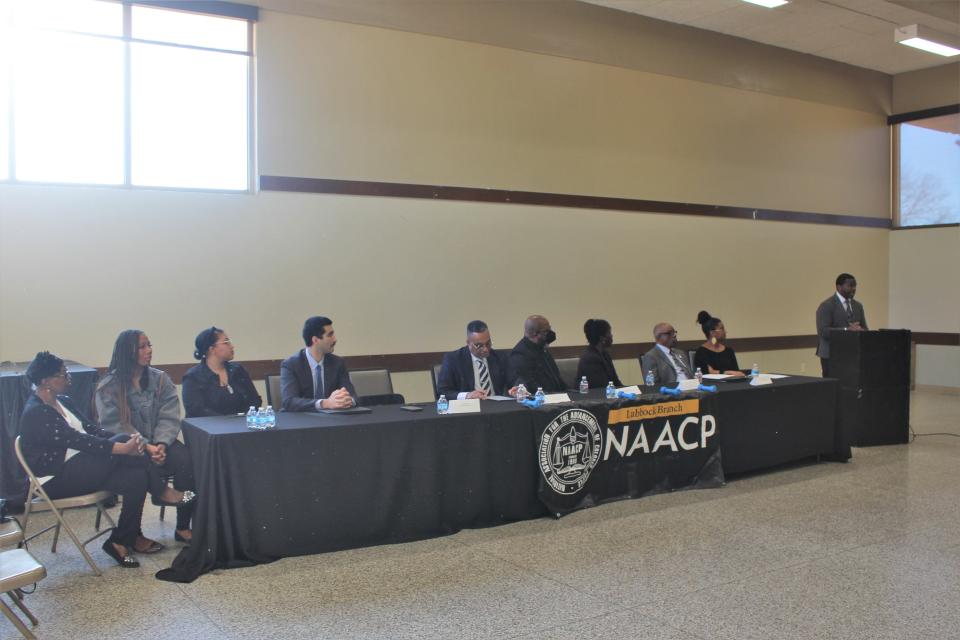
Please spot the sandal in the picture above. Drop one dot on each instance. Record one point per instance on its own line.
(127, 561)
(188, 498)
(153, 547)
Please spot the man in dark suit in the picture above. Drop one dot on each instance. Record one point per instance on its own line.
(531, 363)
(314, 378)
(669, 364)
(839, 311)
(473, 371)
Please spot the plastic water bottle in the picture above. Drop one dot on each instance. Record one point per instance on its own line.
(442, 405)
(650, 380)
(540, 396)
(262, 419)
(271, 417)
(699, 375)
(611, 391)
(755, 371)
(584, 385)
(521, 393)
(252, 418)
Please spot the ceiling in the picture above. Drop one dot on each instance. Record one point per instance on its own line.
(857, 32)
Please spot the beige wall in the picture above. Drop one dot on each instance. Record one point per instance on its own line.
(925, 296)
(926, 88)
(344, 101)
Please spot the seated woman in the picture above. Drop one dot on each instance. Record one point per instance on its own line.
(595, 362)
(217, 386)
(136, 398)
(713, 356)
(73, 457)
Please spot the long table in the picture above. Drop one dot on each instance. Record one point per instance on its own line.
(323, 482)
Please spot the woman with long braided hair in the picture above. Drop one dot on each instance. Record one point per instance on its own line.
(136, 398)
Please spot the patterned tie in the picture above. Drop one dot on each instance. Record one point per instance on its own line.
(679, 362)
(484, 376)
(318, 393)
(849, 309)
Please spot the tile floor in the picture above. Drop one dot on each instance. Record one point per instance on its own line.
(868, 549)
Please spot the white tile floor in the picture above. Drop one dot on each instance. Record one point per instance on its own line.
(868, 549)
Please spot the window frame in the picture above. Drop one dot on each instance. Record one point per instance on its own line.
(246, 13)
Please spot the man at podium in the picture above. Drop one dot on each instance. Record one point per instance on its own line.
(839, 311)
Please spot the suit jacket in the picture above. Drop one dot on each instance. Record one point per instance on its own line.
(46, 436)
(663, 372)
(296, 381)
(456, 373)
(598, 367)
(831, 315)
(534, 366)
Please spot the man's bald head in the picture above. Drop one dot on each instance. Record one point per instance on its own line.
(663, 333)
(534, 325)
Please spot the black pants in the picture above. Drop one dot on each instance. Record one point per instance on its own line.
(179, 464)
(825, 367)
(127, 476)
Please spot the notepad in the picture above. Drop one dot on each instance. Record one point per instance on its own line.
(633, 389)
(470, 405)
(555, 398)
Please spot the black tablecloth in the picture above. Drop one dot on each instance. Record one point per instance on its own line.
(329, 482)
(14, 392)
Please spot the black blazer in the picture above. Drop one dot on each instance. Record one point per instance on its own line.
(534, 366)
(203, 395)
(456, 373)
(598, 367)
(45, 436)
(831, 315)
(296, 381)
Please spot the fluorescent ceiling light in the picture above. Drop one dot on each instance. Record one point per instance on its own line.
(921, 37)
(769, 4)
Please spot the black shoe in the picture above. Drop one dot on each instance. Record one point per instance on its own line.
(180, 538)
(127, 561)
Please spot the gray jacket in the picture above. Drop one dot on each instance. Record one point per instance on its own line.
(830, 317)
(663, 372)
(154, 410)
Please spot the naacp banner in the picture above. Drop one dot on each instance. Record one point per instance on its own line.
(596, 453)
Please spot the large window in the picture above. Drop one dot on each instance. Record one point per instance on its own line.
(929, 171)
(124, 93)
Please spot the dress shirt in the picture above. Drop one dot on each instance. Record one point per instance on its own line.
(476, 376)
(681, 374)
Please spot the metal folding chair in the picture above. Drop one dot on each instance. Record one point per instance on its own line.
(18, 569)
(38, 500)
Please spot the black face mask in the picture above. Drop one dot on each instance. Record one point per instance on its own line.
(549, 337)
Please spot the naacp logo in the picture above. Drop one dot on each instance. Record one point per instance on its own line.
(569, 450)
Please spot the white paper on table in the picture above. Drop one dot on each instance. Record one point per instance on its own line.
(688, 385)
(555, 398)
(716, 376)
(634, 389)
(776, 376)
(499, 398)
(470, 405)
(760, 380)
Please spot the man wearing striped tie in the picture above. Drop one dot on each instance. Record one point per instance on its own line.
(475, 370)
(838, 312)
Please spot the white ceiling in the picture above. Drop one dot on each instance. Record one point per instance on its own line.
(857, 32)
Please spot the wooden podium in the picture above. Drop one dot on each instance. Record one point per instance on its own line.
(874, 372)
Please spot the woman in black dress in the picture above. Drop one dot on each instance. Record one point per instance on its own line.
(595, 362)
(217, 386)
(713, 356)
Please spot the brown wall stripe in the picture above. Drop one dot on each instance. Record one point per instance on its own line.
(398, 362)
(925, 113)
(472, 194)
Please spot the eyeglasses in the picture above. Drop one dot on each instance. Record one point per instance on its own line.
(482, 345)
(227, 341)
(667, 333)
(62, 374)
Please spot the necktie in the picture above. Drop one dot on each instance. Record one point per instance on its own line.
(849, 309)
(678, 362)
(318, 383)
(484, 376)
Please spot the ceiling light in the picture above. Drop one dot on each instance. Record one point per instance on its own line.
(921, 37)
(769, 4)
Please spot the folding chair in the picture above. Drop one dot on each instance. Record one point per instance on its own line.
(38, 500)
(273, 391)
(10, 533)
(18, 569)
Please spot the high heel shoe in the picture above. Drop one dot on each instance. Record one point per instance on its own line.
(127, 561)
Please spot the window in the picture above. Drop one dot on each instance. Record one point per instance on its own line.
(928, 190)
(146, 94)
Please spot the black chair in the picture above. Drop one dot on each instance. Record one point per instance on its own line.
(434, 379)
